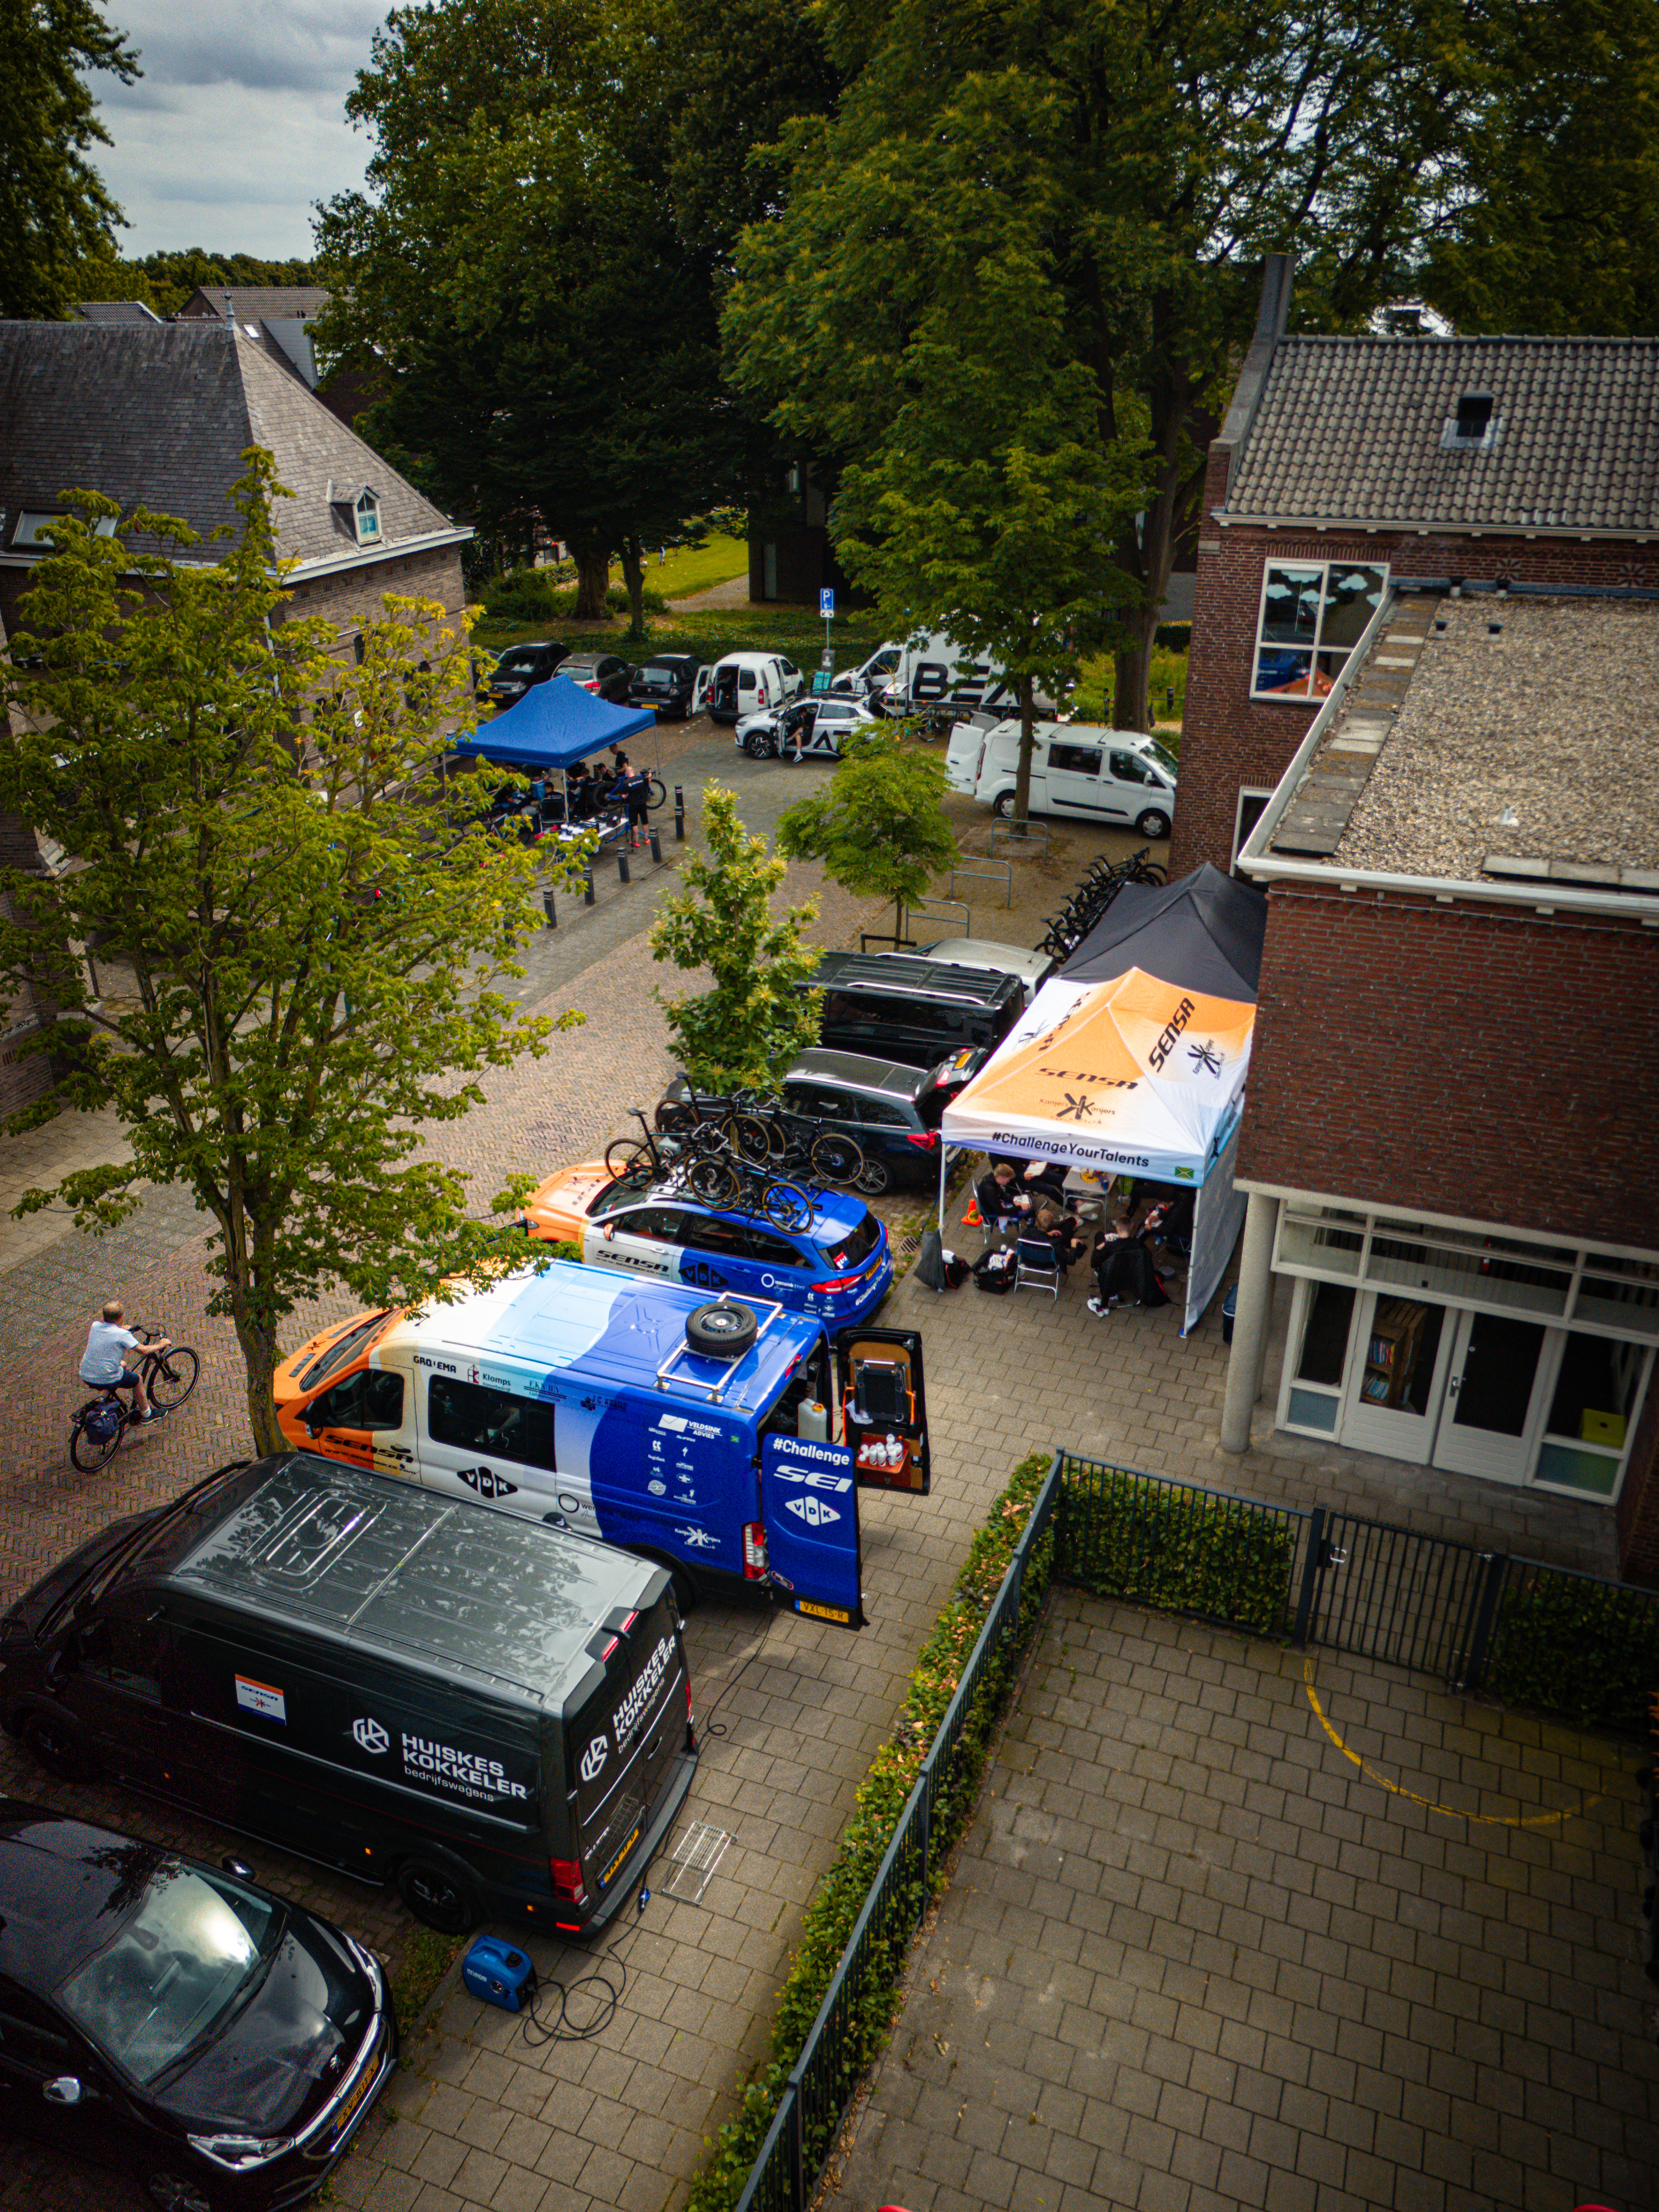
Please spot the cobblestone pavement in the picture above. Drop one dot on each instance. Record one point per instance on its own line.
(479, 2117)
(1191, 1959)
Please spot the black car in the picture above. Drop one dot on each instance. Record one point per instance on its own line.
(522, 666)
(605, 673)
(668, 683)
(892, 1112)
(178, 2021)
(894, 1007)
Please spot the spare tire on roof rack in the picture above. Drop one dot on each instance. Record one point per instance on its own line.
(722, 1330)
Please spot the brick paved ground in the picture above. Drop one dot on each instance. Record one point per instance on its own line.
(479, 2118)
(1190, 1960)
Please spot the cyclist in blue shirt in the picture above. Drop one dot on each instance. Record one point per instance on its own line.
(103, 1363)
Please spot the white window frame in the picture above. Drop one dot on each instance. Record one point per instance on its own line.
(1264, 792)
(366, 503)
(1285, 561)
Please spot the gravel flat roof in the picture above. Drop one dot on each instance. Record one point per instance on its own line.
(1497, 738)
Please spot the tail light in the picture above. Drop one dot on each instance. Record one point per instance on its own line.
(567, 1880)
(754, 1556)
(837, 1283)
(927, 1141)
(592, 685)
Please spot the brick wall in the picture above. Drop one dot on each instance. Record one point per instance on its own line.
(1475, 1060)
(356, 595)
(1230, 741)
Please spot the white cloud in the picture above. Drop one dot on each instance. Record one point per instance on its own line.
(238, 124)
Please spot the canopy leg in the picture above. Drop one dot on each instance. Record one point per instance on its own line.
(944, 1170)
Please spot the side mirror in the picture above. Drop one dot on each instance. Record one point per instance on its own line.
(65, 2090)
(239, 1868)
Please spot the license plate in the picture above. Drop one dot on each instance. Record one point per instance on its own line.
(821, 1612)
(359, 2089)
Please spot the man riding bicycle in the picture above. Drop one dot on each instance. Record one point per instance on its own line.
(103, 1363)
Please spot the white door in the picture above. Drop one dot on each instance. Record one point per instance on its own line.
(1074, 785)
(1396, 1377)
(479, 1439)
(1494, 1388)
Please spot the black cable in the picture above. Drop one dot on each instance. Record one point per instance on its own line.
(709, 1729)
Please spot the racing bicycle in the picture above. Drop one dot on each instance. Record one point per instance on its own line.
(96, 1433)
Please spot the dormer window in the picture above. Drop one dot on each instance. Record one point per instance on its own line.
(366, 514)
(1474, 429)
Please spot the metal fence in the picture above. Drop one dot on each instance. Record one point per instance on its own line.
(1534, 1634)
(854, 2017)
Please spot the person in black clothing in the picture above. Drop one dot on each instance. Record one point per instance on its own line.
(1125, 1273)
(1000, 1198)
(1060, 1231)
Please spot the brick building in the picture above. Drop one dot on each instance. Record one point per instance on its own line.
(1424, 714)
(158, 414)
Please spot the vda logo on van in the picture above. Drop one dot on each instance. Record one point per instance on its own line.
(594, 1758)
(371, 1735)
(812, 1510)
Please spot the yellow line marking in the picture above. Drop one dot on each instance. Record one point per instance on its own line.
(1486, 1819)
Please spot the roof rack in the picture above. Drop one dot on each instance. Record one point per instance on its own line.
(667, 1379)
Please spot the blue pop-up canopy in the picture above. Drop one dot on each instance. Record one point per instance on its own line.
(553, 725)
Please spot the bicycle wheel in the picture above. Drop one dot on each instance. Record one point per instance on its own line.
(786, 1205)
(630, 1161)
(837, 1157)
(751, 1137)
(714, 1181)
(89, 1452)
(173, 1378)
(656, 793)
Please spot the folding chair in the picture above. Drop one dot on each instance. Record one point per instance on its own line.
(1036, 1267)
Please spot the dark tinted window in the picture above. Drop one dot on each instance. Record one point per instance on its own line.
(704, 1234)
(773, 1251)
(1085, 759)
(369, 1400)
(1127, 769)
(667, 1223)
(880, 1114)
(847, 1251)
(123, 1649)
(482, 1420)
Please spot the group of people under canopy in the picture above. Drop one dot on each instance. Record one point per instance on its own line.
(1142, 1242)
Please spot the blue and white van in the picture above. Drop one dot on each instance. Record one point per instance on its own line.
(728, 1440)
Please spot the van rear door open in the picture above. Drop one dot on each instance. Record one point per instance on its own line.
(883, 1407)
(625, 1725)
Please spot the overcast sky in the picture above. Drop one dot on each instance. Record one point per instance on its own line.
(238, 124)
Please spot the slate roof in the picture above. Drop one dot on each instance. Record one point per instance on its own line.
(116, 311)
(159, 416)
(1350, 430)
(255, 303)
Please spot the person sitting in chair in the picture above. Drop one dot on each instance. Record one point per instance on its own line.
(1061, 1231)
(1000, 1198)
(1124, 1272)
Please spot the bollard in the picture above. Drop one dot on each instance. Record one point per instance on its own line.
(680, 814)
(588, 900)
(656, 842)
(550, 910)
(622, 875)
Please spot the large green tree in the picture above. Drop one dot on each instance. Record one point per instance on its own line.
(315, 955)
(548, 330)
(1162, 151)
(55, 214)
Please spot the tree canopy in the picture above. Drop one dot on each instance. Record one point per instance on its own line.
(55, 213)
(315, 955)
(877, 824)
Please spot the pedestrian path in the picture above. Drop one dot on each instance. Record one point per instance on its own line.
(1190, 1960)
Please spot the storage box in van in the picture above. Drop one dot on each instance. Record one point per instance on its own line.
(1080, 771)
(607, 1404)
(493, 1715)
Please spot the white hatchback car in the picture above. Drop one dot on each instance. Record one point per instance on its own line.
(804, 729)
(746, 683)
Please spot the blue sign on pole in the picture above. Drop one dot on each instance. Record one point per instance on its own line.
(827, 605)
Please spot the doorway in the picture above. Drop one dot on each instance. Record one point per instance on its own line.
(1397, 1377)
(1492, 1383)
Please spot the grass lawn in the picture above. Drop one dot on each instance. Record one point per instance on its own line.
(794, 631)
(688, 570)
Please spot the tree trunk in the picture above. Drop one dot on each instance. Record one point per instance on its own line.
(633, 562)
(261, 1356)
(1027, 749)
(1131, 672)
(592, 581)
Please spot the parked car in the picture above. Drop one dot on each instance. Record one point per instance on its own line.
(176, 2022)
(806, 729)
(1033, 968)
(605, 673)
(873, 675)
(891, 1111)
(839, 1267)
(675, 683)
(395, 1682)
(745, 683)
(521, 666)
(898, 1007)
(1081, 772)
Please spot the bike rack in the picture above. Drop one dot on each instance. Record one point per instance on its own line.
(1026, 844)
(999, 872)
(924, 911)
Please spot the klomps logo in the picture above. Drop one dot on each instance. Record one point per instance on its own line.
(594, 1759)
(371, 1735)
(812, 1510)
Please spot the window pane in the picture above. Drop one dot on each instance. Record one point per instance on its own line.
(704, 1234)
(1308, 1410)
(1127, 769)
(1571, 1469)
(1290, 606)
(1325, 1338)
(477, 1420)
(1597, 1390)
(1352, 596)
(1283, 674)
(367, 1401)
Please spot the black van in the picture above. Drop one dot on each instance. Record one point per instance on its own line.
(889, 1005)
(492, 1714)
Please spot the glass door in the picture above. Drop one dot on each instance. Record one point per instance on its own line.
(1396, 1374)
(1486, 1426)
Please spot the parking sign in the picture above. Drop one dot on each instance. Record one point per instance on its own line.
(827, 606)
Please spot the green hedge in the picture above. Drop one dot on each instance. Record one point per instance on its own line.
(530, 595)
(882, 1798)
(1566, 1644)
(1184, 1551)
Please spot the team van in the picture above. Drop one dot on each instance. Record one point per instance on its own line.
(910, 676)
(725, 1439)
(1080, 771)
(493, 1715)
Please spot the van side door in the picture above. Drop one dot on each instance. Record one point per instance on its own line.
(1075, 784)
(883, 1408)
(482, 1436)
(366, 1419)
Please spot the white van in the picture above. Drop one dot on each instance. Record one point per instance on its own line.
(923, 672)
(745, 684)
(1078, 771)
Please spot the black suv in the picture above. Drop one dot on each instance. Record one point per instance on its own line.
(668, 682)
(522, 666)
(892, 1006)
(892, 1112)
